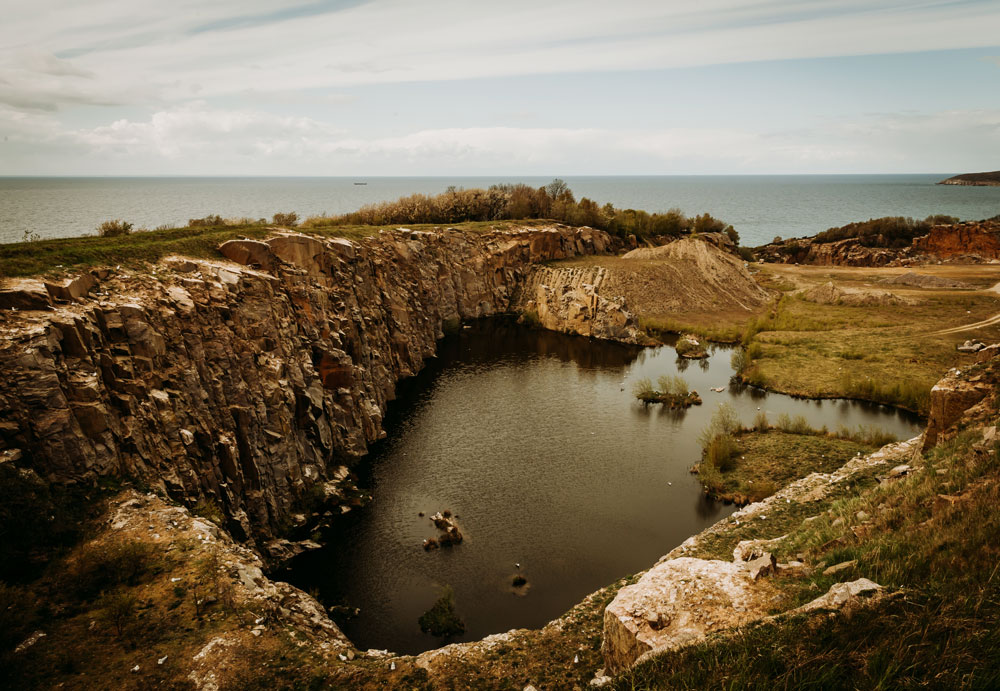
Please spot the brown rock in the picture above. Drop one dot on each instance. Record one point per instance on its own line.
(248, 252)
(72, 288)
(24, 294)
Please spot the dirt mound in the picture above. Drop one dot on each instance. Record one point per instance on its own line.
(687, 275)
(829, 294)
(912, 278)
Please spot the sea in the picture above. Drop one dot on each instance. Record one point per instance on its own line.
(760, 207)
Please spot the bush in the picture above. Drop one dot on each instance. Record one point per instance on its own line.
(511, 202)
(721, 453)
(643, 390)
(442, 619)
(760, 422)
(209, 221)
(289, 219)
(118, 608)
(888, 231)
(102, 565)
(724, 423)
(115, 228)
(674, 385)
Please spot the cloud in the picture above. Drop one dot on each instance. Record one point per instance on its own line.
(150, 51)
(198, 139)
(194, 132)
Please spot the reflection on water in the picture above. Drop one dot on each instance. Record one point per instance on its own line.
(535, 441)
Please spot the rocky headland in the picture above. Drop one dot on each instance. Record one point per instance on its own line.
(991, 179)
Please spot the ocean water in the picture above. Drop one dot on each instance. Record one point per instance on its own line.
(760, 207)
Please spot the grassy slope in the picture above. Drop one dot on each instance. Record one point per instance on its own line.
(938, 557)
(48, 256)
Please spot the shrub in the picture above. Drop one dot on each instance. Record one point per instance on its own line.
(760, 422)
(643, 390)
(118, 608)
(115, 228)
(724, 422)
(442, 619)
(209, 221)
(685, 346)
(518, 201)
(746, 254)
(101, 565)
(721, 452)
(674, 385)
(289, 219)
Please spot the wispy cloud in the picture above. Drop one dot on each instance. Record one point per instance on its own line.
(164, 48)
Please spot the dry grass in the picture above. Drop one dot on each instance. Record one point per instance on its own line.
(888, 354)
(763, 462)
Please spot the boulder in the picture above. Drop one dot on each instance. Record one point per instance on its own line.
(677, 603)
(71, 289)
(248, 253)
(950, 397)
(24, 294)
(839, 595)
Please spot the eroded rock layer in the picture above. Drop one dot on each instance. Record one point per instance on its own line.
(249, 385)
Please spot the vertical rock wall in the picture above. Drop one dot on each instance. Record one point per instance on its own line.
(249, 386)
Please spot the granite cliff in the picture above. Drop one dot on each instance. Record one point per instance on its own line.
(251, 383)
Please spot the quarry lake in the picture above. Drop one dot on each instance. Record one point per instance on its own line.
(535, 441)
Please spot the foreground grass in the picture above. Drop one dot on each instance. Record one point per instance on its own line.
(48, 256)
(931, 538)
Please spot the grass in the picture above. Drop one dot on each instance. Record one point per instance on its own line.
(886, 354)
(43, 257)
(758, 463)
(938, 559)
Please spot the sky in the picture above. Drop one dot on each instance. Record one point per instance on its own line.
(463, 87)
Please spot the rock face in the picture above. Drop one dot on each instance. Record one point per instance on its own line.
(950, 398)
(974, 238)
(244, 387)
(677, 603)
(969, 242)
(568, 300)
(849, 252)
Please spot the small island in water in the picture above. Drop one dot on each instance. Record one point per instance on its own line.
(974, 179)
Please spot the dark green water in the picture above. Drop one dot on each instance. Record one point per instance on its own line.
(535, 441)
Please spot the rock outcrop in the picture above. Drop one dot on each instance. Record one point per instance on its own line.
(954, 394)
(968, 242)
(249, 386)
(569, 300)
(677, 603)
(981, 239)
